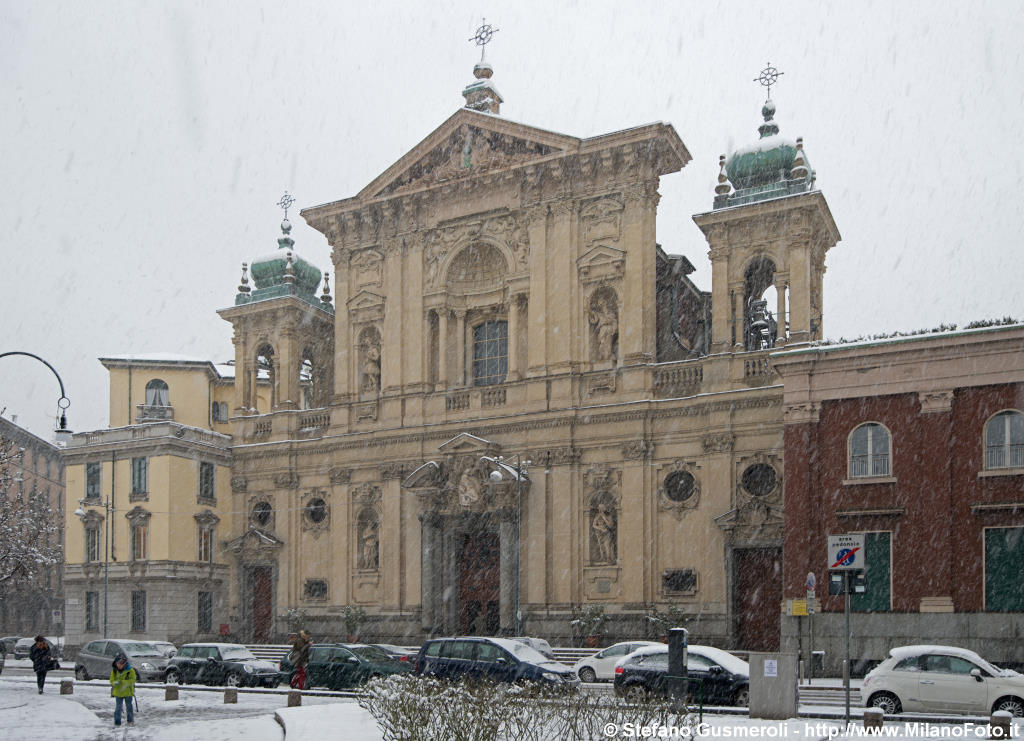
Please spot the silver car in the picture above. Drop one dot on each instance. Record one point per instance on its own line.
(95, 659)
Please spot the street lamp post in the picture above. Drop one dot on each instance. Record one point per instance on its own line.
(108, 509)
(496, 477)
(62, 433)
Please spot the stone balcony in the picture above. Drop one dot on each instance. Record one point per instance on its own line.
(148, 413)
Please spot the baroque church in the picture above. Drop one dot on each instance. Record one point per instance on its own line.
(518, 404)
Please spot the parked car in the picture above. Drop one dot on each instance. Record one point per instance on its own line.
(165, 647)
(601, 666)
(24, 645)
(942, 679)
(398, 652)
(7, 644)
(342, 666)
(537, 643)
(494, 659)
(721, 677)
(220, 663)
(94, 659)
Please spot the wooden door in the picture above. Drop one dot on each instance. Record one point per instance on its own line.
(757, 598)
(479, 584)
(262, 608)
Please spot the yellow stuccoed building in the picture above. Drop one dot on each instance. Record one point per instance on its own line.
(518, 405)
(148, 503)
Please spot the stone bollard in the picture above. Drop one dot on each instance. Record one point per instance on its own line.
(294, 698)
(873, 719)
(999, 724)
(67, 687)
(170, 693)
(230, 695)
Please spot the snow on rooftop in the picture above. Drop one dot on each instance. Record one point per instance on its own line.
(156, 357)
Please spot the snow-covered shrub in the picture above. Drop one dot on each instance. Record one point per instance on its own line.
(410, 708)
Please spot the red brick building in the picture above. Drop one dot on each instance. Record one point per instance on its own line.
(918, 442)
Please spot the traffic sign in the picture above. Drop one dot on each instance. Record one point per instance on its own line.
(812, 581)
(846, 552)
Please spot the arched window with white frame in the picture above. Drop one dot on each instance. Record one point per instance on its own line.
(1004, 440)
(870, 451)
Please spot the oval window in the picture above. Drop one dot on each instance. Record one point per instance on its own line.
(316, 510)
(261, 513)
(679, 486)
(759, 479)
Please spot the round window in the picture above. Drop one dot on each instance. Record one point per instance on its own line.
(261, 513)
(679, 486)
(316, 510)
(759, 479)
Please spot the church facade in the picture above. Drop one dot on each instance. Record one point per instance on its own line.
(518, 405)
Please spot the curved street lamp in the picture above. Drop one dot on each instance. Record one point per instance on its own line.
(62, 434)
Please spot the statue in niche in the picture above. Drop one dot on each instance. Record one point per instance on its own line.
(603, 527)
(605, 322)
(369, 546)
(469, 487)
(371, 368)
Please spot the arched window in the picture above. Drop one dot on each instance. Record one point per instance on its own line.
(870, 451)
(1004, 440)
(490, 352)
(157, 394)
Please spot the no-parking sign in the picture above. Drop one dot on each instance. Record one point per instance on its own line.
(846, 552)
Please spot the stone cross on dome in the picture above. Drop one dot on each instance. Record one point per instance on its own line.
(482, 95)
(286, 203)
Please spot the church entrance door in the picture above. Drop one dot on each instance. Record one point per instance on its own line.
(757, 593)
(261, 604)
(479, 584)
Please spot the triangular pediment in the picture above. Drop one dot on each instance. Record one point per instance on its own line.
(427, 475)
(466, 443)
(468, 144)
(253, 539)
(365, 300)
(602, 255)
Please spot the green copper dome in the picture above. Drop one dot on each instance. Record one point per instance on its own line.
(766, 161)
(275, 276)
(771, 167)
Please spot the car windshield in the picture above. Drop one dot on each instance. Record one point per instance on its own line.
(528, 653)
(236, 652)
(371, 653)
(139, 649)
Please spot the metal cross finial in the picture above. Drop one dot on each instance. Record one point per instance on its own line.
(482, 37)
(286, 203)
(768, 77)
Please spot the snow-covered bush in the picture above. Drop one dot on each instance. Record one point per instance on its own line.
(410, 708)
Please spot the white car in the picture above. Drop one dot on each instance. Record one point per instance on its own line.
(942, 679)
(601, 666)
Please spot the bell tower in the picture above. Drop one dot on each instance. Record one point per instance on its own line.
(768, 233)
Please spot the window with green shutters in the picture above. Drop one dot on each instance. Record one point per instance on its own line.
(877, 594)
(1004, 580)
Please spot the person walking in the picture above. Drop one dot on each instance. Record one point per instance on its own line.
(122, 688)
(299, 658)
(42, 660)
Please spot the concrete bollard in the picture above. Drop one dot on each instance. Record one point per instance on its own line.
(294, 698)
(999, 724)
(170, 693)
(873, 719)
(230, 695)
(67, 687)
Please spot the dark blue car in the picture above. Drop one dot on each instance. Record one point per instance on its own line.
(491, 659)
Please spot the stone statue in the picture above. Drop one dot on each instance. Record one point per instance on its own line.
(371, 368)
(606, 328)
(469, 487)
(603, 528)
(369, 550)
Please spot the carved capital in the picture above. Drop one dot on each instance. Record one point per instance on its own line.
(239, 484)
(394, 470)
(340, 475)
(289, 480)
(795, 414)
(636, 449)
(718, 442)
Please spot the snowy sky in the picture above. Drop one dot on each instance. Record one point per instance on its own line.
(145, 145)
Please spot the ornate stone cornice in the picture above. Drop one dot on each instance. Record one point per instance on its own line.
(935, 401)
(395, 470)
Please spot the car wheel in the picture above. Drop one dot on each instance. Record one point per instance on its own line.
(887, 701)
(587, 675)
(742, 697)
(172, 677)
(274, 682)
(1013, 705)
(233, 680)
(81, 673)
(636, 694)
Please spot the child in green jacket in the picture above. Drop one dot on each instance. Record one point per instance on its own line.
(122, 688)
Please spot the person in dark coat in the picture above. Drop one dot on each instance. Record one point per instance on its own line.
(42, 659)
(299, 657)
